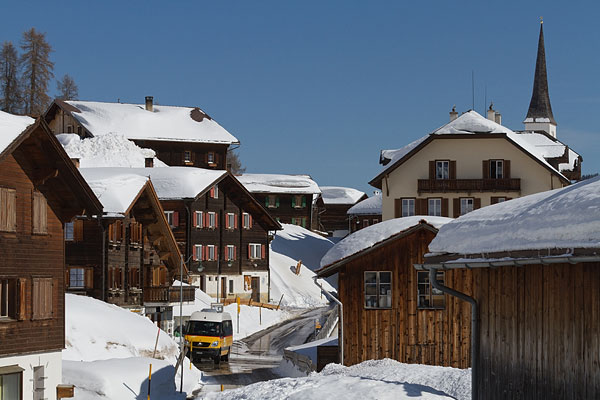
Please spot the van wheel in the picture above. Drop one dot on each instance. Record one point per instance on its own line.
(226, 356)
(217, 359)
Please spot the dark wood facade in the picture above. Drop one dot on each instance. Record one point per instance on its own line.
(40, 190)
(405, 331)
(335, 216)
(287, 208)
(360, 221)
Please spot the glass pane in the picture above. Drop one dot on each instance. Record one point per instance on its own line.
(370, 289)
(10, 386)
(370, 277)
(370, 301)
(385, 277)
(385, 301)
(385, 288)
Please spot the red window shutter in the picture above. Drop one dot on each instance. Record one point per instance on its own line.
(262, 251)
(212, 192)
(250, 219)
(206, 222)
(235, 221)
(226, 253)
(216, 220)
(194, 254)
(175, 218)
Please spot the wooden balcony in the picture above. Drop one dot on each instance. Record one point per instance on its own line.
(168, 294)
(469, 185)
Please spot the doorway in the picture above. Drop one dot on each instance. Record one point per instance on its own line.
(255, 289)
(223, 287)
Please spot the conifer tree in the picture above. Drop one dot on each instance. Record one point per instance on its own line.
(67, 88)
(37, 71)
(10, 94)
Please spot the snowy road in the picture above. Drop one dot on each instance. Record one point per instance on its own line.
(253, 358)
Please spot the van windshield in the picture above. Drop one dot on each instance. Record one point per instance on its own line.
(203, 328)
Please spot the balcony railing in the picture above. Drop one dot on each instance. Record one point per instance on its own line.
(469, 185)
(168, 294)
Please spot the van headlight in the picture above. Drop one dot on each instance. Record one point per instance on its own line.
(214, 344)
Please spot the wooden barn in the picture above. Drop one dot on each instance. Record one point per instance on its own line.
(337, 201)
(180, 136)
(365, 213)
(535, 263)
(128, 255)
(40, 190)
(390, 309)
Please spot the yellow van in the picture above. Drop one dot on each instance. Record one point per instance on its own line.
(209, 334)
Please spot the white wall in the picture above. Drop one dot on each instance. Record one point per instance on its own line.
(211, 283)
(52, 362)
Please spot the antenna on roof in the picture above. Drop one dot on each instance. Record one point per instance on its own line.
(473, 89)
(484, 98)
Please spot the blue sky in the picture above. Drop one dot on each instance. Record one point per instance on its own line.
(320, 87)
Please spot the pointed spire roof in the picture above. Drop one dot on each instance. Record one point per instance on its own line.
(540, 107)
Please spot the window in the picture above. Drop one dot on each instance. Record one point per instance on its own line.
(210, 157)
(298, 201)
(442, 169)
(428, 296)
(74, 231)
(115, 278)
(230, 253)
(365, 223)
(247, 221)
(187, 156)
(466, 205)
(212, 220)
(435, 207)
(7, 298)
(8, 210)
(495, 200)
(231, 221)
(76, 278)
(496, 169)
(375, 221)
(42, 298)
(300, 221)
(230, 287)
(11, 383)
(134, 277)
(69, 231)
(199, 219)
(69, 128)
(169, 216)
(272, 201)
(135, 233)
(40, 214)
(214, 192)
(408, 207)
(255, 251)
(211, 253)
(198, 252)
(378, 289)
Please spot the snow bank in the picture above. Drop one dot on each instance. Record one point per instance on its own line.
(291, 244)
(340, 195)
(110, 150)
(368, 237)
(369, 206)
(11, 126)
(163, 123)
(562, 218)
(278, 183)
(376, 379)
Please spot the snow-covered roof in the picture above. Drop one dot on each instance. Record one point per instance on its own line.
(556, 219)
(370, 236)
(396, 154)
(279, 183)
(168, 123)
(110, 150)
(116, 188)
(547, 147)
(340, 195)
(11, 126)
(370, 206)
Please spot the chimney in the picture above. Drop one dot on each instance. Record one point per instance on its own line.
(453, 114)
(149, 162)
(149, 100)
(75, 162)
(491, 114)
(498, 118)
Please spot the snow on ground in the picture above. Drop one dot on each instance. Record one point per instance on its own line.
(291, 244)
(11, 126)
(340, 195)
(562, 218)
(369, 236)
(110, 150)
(375, 379)
(108, 349)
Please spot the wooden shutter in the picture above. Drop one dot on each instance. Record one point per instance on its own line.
(42, 298)
(175, 218)
(431, 169)
(506, 172)
(39, 213)
(421, 207)
(67, 277)
(455, 208)
(163, 276)
(250, 219)
(216, 220)
(445, 207)
(397, 208)
(89, 277)
(485, 169)
(78, 230)
(8, 209)
(21, 311)
(235, 221)
(111, 229)
(293, 221)
(263, 251)
(249, 252)
(226, 251)
(476, 203)
(452, 171)
(206, 220)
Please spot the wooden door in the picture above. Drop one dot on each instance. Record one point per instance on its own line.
(255, 288)
(223, 287)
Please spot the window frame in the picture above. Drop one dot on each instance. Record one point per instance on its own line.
(19, 383)
(425, 290)
(408, 201)
(199, 216)
(211, 248)
(230, 252)
(71, 280)
(445, 169)
(231, 287)
(210, 157)
(255, 251)
(169, 215)
(272, 204)
(429, 209)
(246, 220)
(230, 220)
(198, 256)
(212, 220)
(499, 172)
(463, 201)
(187, 157)
(69, 227)
(378, 295)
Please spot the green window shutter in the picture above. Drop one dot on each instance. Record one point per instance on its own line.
(293, 221)
(267, 201)
(293, 201)
(277, 202)
(304, 222)
(303, 201)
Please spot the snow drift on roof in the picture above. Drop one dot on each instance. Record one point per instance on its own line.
(11, 126)
(116, 188)
(278, 183)
(394, 155)
(471, 122)
(163, 123)
(368, 237)
(561, 218)
(340, 195)
(369, 206)
(111, 150)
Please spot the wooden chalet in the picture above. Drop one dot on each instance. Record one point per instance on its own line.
(337, 201)
(390, 309)
(535, 267)
(128, 256)
(290, 199)
(180, 136)
(365, 213)
(40, 190)
(220, 228)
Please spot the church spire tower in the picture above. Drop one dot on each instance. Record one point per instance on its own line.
(539, 116)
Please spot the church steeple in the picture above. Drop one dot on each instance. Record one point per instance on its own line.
(539, 115)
